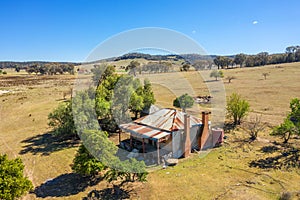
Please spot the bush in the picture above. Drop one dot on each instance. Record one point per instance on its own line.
(216, 74)
(61, 120)
(285, 196)
(102, 152)
(254, 127)
(183, 102)
(13, 184)
(291, 124)
(86, 164)
(237, 108)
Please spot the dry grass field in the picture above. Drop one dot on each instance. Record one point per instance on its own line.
(222, 173)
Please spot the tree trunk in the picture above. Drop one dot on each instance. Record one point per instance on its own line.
(286, 136)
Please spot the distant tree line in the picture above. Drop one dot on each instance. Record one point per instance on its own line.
(135, 67)
(24, 65)
(149, 57)
(157, 67)
(49, 69)
(292, 54)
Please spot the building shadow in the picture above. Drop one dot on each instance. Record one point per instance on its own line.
(65, 185)
(46, 143)
(114, 193)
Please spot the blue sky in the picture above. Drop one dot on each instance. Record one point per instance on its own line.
(68, 30)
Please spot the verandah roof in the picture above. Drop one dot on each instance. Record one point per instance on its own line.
(144, 131)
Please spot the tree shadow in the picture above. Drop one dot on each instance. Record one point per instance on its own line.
(228, 127)
(287, 159)
(114, 193)
(65, 185)
(269, 149)
(47, 143)
(209, 81)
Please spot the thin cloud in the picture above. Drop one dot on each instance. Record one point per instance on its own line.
(254, 22)
(193, 31)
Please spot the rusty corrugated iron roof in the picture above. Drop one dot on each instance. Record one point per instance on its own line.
(159, 124)
(144, 131)
(167, 119)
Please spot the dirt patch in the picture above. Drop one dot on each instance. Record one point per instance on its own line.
(4, 92)
(31, 80)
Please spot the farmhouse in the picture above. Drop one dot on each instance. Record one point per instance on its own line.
(169, 131)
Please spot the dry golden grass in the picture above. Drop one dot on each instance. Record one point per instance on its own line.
(269, 97)
(23, 115)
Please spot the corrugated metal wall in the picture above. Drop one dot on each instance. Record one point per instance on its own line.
(177, 143)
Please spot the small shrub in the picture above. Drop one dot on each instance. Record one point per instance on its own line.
(254, 127)
(285, 196)
(216, 74)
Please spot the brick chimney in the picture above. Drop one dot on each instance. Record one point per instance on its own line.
(187, 138)
(204, 135)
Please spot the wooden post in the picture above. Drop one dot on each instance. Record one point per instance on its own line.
(143, 143)
(130, 141)
(120, 136)
(157, 145)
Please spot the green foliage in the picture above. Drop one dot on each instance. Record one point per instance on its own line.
(129, 170)
(13, 184)
(184, 101)
(86, 164)
(156, 67)
(50, 68)
(239, 59)
(291, 124)
(84, 115)
(148, 95)
(17, 68)
(121, 98)
(61, 120)
(136, 103)
(223, 61)
(100, 154)
(216, 74)
(101, 72)
(117, 95)
(185, 67)
(104, 94)
(132, 67)
(2, 72)
(237, 108)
